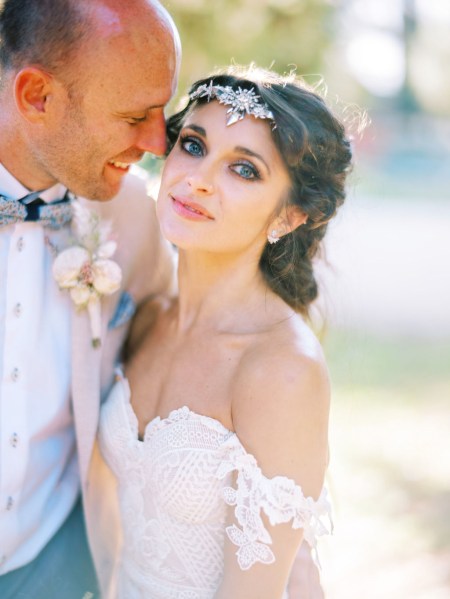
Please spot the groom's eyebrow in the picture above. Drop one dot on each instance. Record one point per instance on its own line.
(144, 110)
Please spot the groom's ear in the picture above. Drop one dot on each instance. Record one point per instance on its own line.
(32, 89)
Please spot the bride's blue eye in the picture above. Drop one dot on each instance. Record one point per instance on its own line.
(246, 171)
(192, 146)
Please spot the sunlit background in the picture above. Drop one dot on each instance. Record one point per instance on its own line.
(386, 279)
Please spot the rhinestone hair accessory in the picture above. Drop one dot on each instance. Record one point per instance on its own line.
(241, 101)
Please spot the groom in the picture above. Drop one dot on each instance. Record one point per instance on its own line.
(83, 88)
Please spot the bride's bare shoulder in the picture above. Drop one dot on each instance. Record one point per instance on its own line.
(280, 405)
(291, 348)
(144, 322)
(287, 362)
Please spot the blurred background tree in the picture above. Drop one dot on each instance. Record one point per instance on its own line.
(278, 33)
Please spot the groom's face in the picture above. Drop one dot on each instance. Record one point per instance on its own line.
(111, 114)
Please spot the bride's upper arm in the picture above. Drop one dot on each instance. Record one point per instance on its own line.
(280, 414)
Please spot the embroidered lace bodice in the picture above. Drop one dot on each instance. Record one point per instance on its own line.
(175, 488)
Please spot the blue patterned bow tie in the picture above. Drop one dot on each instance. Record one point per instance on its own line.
(32, 208)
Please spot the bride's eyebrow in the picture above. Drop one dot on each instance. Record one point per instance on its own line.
(197, 129)
(248, 152)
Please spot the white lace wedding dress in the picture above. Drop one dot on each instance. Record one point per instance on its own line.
(175, 487)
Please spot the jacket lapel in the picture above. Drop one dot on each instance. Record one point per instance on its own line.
(85, 388)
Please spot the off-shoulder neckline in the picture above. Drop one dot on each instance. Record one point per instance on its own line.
(230, 439)
(159, 422)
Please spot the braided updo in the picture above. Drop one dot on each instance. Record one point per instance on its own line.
(313, 145)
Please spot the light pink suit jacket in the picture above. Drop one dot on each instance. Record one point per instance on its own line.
(148, 269)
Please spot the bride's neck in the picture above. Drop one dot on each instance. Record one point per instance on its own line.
(215, 290)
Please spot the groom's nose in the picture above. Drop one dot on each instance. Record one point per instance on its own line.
(152, 133)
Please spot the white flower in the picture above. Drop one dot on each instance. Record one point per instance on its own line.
(106, 276)
(85, 269)
(88, 229)
(106, 250)
(68, 264)
(80, 295)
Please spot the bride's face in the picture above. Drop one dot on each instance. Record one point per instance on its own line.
(221, 185)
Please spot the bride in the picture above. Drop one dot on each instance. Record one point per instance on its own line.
(217, 429)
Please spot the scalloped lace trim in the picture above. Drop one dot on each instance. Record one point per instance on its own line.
(158, 423)
(280, 498)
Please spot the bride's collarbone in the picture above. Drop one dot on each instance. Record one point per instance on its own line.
(199, 370)
(198, 359)
(197, 377)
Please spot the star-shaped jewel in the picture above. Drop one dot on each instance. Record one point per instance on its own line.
(241, 102)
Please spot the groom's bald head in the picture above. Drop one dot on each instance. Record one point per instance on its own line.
(51, 33)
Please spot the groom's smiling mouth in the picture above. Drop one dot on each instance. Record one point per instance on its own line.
(121, 166)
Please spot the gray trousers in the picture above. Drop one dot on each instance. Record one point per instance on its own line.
(62, 570)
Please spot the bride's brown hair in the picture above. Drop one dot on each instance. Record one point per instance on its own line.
(313, 144)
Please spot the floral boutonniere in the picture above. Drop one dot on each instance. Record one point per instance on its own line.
(85, 269)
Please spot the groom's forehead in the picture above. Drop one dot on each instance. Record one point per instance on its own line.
(107, 21)
(138, 40)
(112, 18)
(130, 63)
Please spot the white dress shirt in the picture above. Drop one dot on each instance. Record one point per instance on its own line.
(39, 480)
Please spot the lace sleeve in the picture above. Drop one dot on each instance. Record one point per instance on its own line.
(280, 498)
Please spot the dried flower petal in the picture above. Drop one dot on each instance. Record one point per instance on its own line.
(80, 295)
(106, 250)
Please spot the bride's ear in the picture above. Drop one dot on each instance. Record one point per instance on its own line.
(295, 217)
(291, 218)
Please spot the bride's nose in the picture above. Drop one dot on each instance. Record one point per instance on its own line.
(198, 184)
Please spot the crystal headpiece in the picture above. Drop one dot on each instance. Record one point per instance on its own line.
(241, 101)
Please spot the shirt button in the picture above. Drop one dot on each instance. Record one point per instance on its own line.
(20, 244)
(18, 309)
(9, 503)
(15, 374)
(14, 439)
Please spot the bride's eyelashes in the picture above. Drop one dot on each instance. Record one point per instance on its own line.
(195, 147)
(192, 145)
(246, 170)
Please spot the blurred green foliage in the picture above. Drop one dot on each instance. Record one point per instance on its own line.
(280, 34)
(413, 369)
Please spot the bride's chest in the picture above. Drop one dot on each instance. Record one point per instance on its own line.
(174, 470)
(198, 375)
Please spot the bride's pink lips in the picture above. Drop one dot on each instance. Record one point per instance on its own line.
(189, 209)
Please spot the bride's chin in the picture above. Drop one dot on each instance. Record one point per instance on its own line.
(182, 240)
